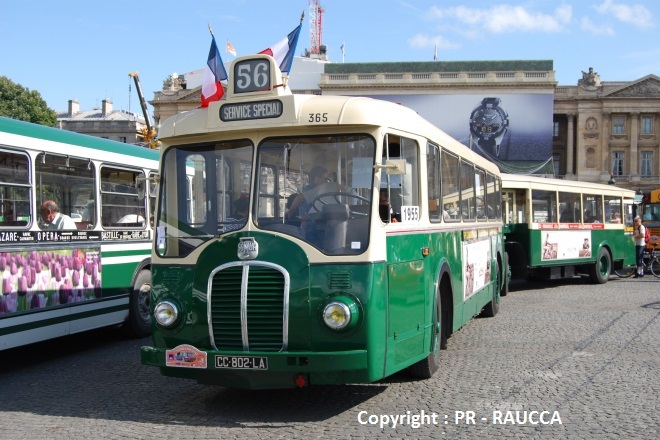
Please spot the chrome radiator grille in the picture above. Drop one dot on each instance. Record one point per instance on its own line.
(248, 307)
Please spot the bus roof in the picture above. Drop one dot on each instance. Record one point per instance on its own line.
(22, 128)
(348, 111)
(520, 181)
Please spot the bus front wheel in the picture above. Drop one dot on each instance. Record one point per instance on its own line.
(139, 317)
(600, 271)
(425, 368)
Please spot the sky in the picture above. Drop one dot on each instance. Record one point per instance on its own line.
(84, 50)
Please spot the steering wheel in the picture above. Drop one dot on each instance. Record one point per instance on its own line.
(337, 197)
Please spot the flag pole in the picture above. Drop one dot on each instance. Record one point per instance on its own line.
(211, 30)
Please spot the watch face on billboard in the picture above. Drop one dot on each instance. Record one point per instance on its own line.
(488, 125)
(486, 122)
(506, 128)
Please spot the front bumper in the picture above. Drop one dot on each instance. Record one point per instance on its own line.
(285, 369)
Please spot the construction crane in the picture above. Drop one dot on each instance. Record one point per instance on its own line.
(148, 133)
(317, 49)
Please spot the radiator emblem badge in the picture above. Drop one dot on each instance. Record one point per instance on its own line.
(248, 248)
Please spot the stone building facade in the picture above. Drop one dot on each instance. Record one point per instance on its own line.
(603, 131)
(608, 131)
(116, 125)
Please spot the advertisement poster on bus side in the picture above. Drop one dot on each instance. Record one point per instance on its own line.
(564, 245)
(476, 266)
(39, 280)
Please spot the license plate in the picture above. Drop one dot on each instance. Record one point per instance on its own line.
(242, 362)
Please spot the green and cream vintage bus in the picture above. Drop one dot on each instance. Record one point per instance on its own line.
(93, 274)
(309, 239)
(558, 228)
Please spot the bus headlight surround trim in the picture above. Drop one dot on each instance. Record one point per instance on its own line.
(166, 313)
(340, 313)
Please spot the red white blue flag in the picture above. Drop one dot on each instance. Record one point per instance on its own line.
(284, 50)
(214, 75)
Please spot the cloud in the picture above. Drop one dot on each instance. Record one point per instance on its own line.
(506, 18)
(588, 26)
(636, 15)
(424, 41)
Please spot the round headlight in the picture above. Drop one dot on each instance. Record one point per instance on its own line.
(337, 315)
(165, 313)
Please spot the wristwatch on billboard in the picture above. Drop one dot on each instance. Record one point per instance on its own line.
(488, 124)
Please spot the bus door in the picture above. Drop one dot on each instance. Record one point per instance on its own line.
(515, 206)
(509, 205)
(405, 264)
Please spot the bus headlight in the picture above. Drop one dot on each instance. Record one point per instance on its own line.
(166, 313)
(340, 313)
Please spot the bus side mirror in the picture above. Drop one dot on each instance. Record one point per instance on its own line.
(392, 166)
(141, 184)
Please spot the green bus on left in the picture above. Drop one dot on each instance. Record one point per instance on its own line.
(62, 280)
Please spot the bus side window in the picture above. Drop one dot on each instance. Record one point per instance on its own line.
(15, 194)
(121, 206)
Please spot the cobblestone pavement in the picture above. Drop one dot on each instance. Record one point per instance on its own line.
(561, 360)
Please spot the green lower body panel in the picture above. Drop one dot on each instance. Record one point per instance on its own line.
(275, 370)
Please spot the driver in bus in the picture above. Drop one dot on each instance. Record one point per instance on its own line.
(319, 183)
(53, 218)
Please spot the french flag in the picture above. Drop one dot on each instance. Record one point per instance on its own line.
(214, 75)
(284, 50)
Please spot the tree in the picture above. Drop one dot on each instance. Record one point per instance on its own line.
(18, 102)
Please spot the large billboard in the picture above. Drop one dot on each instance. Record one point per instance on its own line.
(512, 130)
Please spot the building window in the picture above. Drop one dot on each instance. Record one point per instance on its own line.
(646, 166)
(617, 124)
(555, 129)
(618, 163)
(122, 139)
(647, 125)
(556, 158)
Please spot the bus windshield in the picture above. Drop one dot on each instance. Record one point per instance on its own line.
(316, 189)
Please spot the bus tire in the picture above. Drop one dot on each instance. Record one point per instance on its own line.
(491, 309)
(139, 314)
(425, 368)
(600, 271)
(506, 275)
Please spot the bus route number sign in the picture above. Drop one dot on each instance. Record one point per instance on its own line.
(252, 75)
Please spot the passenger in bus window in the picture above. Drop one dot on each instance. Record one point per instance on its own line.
(133, 219)
(241, 208)
(616, 218)
(385, 208)
(53, 218)
(588, 218)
